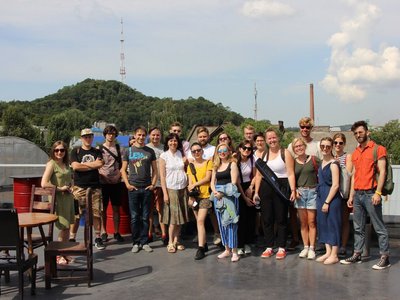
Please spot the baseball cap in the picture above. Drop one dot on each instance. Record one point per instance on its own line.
(86, 131)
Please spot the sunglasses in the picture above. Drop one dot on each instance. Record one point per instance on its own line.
(196, 150)
(325, 147)
(89, 136)
(247, 148)
(338, 143)
(59, 150)
(305, 127)
(225, 150)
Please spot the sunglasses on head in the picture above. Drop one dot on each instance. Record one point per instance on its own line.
(59, 150)
(325, 147)
(225, 150)
(247, 148)
(305, 127)
(196, 150)
(338, 143)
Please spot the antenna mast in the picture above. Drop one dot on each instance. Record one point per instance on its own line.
(122, 71)
(255, 101)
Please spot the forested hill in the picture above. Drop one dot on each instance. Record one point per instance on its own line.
(115, 102)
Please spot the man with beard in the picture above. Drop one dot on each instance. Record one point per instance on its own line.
(306, 125)
(365, 195)
(203, 137)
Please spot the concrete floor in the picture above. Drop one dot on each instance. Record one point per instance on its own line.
(118, 273)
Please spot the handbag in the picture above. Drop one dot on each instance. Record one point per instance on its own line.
(195, 192)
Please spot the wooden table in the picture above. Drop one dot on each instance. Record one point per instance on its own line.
(30, 220)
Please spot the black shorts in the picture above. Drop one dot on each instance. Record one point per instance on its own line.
(111, 192)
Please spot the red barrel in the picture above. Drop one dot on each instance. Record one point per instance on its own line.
(125, 216)
(22, 191)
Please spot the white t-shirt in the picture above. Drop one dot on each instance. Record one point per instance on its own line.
(208, 152)
(175, 175)
(312, 149)
(158, 150)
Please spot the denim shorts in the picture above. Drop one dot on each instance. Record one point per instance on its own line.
(308, 198)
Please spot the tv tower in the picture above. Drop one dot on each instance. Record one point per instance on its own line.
(255, 101)
(122, 71)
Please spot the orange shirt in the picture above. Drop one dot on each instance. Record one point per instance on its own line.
(363, 162)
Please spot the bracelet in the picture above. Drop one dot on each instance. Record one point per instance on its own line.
(327, 203)
(379, 193)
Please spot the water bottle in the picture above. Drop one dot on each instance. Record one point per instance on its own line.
(257, 202)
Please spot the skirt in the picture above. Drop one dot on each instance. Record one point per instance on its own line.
(176, 212)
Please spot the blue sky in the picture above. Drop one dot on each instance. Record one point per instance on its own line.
(217, 49)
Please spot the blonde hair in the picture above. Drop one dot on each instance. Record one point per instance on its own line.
(306, 121)
(217, 160)
(299, 139)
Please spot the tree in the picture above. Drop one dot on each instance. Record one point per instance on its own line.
(389, 136)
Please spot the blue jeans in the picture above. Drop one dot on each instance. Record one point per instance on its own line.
(363, 205)
(139, 206)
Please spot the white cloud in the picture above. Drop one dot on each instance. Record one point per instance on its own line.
(355, 69)
(269, 8)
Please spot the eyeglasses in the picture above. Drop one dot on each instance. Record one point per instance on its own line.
(299, 146)
(89, 136)
(59, 150)
(247, 148)
(196, 150)
(225, 150)
(224, 138)
(305, 127)
(327, 147)
(338, 143)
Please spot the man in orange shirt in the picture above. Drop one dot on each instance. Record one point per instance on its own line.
(365, 195)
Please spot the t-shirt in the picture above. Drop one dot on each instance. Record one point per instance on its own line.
(140, 161)
(311, 149)
(246, 168)
(201, 172)
(90, 178)
(175, 175)
(158, 150)
(109, 172)
(208, 152)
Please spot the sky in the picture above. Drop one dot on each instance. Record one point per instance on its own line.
(216, 49)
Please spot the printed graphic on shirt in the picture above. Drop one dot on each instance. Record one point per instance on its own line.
(88, 158)
(136, 159)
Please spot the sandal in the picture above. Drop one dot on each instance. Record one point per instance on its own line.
(180, 247)
(171, 248)
(61, 260)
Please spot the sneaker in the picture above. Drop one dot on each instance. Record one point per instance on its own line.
(247, 249)
(118, 237)
(135, 248)
(240, 251)
(98, 243)
(311, 254)
(303, 253)
(382, 264)
(267, 253)
(104, 237)
(200, 254)
(281, 254)
(355, 258)
(147, 248)
(217, 239)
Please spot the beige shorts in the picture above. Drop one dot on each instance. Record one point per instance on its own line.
(97, 203)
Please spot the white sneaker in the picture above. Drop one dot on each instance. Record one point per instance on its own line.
(247, 249)
(311, 254)
(240, 251)
(303, 253)
(147, 248)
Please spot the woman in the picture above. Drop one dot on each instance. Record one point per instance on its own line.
(247, 208)
(201, 203)
(223, 137)
(344, 159)
(58, 174)
(173, 182)
(329, 204)
(274, 209)
(223, 185)
(306, 172)
(259, 141)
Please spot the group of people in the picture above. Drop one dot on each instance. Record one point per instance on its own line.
(223, 182)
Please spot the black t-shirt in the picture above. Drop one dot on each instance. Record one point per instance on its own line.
(90, 178)
(140, 161)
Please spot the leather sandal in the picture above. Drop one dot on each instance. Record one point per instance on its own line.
(171, 248)
(180, 247)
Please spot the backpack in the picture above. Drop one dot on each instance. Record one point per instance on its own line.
(388, 184)
(344, 182)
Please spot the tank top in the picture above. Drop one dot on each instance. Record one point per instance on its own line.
(224, 177)
(278, 166)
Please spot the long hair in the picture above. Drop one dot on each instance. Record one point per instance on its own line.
(241, 145)
(66, 156)
(340, 136)
(330, 140)
(217, 160)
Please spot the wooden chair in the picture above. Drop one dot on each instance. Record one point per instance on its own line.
(14, 259)
(42, 200)
(85, 249)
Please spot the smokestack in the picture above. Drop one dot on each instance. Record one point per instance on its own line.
(312, 102)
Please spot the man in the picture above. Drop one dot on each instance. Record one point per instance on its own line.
(365, 195)
(306, 125)
(110, 179)
(176, 127)
(86, 162)
(203, 138)
(157, 196)
(248, 132)
(140, 184)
